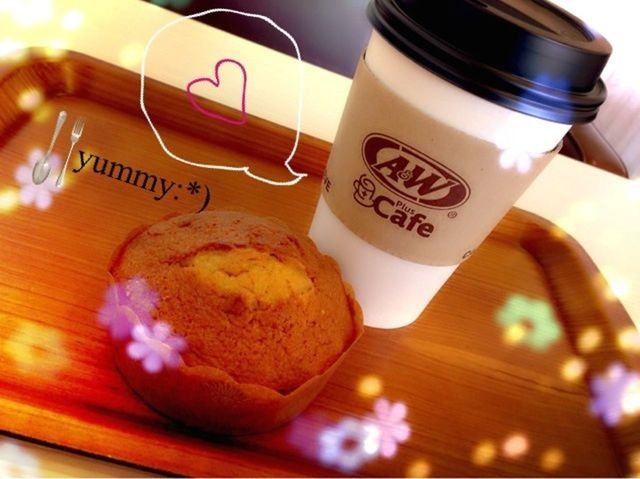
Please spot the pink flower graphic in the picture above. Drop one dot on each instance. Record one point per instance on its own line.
(389, 418)
(126, 305)
(156, 347)
(41, 196)
(615, 394)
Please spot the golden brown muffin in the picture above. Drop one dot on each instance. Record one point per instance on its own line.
(266, 318)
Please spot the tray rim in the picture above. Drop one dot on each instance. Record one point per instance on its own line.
(541, 226)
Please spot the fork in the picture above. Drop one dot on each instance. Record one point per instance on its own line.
(78, 126)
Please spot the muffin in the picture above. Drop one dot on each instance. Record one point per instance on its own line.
(258, 320)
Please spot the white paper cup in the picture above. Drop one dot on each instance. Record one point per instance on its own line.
(394, 291)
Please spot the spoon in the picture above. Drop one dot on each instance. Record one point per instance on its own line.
(42, 168)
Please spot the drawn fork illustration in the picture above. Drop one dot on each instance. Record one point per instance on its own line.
(78, 126)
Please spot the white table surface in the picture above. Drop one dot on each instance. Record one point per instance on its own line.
(600, 210)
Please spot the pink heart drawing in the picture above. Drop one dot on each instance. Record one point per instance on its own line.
(215, 81)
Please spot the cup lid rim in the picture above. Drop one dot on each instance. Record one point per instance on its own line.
(536, 59)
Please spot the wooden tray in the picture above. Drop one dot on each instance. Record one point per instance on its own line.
(467, 390)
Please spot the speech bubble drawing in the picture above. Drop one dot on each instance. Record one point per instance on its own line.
(244, 169)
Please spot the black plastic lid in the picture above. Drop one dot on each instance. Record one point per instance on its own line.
(527, 55)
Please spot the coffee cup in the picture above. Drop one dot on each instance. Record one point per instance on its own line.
(455, 108)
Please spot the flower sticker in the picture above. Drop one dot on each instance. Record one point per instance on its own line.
(616, 393)
(516, 160)
(529, 321)
(349, 444)
(156, 347)
(389, 419)
(128, 311)
(40, 196)
(126, 305)
(352, 442)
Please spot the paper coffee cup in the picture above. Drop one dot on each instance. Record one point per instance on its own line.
(455, 108)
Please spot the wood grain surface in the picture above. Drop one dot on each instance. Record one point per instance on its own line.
(477, 404)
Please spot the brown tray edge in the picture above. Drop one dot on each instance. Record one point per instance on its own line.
(557, 253)
(554, 251)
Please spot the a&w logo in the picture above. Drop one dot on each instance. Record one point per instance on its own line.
(413, 175)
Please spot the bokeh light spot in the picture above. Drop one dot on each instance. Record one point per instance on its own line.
(370, 386)
(515, 334)
(564, 225)
(619, 287)
(9, 199)
(419, 468)
(12, 50)
(131, 55)
(56, 49)
(36, 349)
(589, 339)
(552, 459)
(629, 340)
(573, 369)
(558, 232)
(634, 462)
(612, 283)
(631, 399)
(72, 20)
(30, 12)
(30, 99)
(484, 453)
(43, 113)
(515, 446)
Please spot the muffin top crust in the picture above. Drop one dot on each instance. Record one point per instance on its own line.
(250, 296)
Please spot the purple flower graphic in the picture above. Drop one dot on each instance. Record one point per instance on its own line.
(615, 394)
(41, 196)
(156, 347)
(126, 305)
(389, 418)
